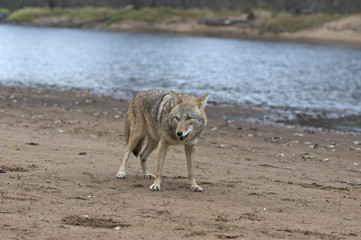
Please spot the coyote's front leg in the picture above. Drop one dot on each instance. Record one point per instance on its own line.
(161, 152)
(189, 149)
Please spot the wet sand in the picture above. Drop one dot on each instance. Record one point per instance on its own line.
(60, 152)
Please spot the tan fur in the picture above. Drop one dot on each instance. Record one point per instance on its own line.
(160, 118)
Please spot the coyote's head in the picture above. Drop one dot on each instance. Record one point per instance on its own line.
(187, 117)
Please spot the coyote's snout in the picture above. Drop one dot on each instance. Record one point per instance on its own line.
(183, 136)
(160, 118)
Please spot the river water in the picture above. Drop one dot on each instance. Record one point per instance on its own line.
(307, 84)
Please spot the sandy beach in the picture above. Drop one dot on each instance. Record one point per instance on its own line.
(60, 152)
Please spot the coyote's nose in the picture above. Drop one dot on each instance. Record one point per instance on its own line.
(179, 133)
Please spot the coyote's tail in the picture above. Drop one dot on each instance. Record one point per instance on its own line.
(138, 148)
(127, 131)
(139, 145)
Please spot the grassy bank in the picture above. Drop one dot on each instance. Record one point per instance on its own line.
(266, 19)
(148, 15)
(80, 14)
(152, 15)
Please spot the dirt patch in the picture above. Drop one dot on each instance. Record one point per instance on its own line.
(327, 188)
(85, 221)
(13, 169)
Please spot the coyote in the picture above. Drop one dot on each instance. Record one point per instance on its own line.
(161, 118)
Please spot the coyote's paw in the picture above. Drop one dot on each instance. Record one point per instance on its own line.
(120, 175)
(149, 176)
(155, 187)
(196, 188)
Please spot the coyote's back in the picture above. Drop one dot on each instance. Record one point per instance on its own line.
(143, 103)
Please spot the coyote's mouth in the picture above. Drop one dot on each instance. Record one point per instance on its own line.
(183, 138)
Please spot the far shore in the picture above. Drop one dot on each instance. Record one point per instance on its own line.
(343, 32)
(333, 33)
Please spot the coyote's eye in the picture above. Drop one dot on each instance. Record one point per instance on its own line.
(189, 118)
(176, 118)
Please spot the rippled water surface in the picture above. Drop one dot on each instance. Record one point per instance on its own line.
(302, 81)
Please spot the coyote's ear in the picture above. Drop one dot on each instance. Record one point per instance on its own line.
(176, 99)
(202, 101)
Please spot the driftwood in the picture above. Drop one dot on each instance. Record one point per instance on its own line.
(225, 21)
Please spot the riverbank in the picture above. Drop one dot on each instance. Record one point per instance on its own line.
(61, 150)
(258, 25)
(344, 32)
